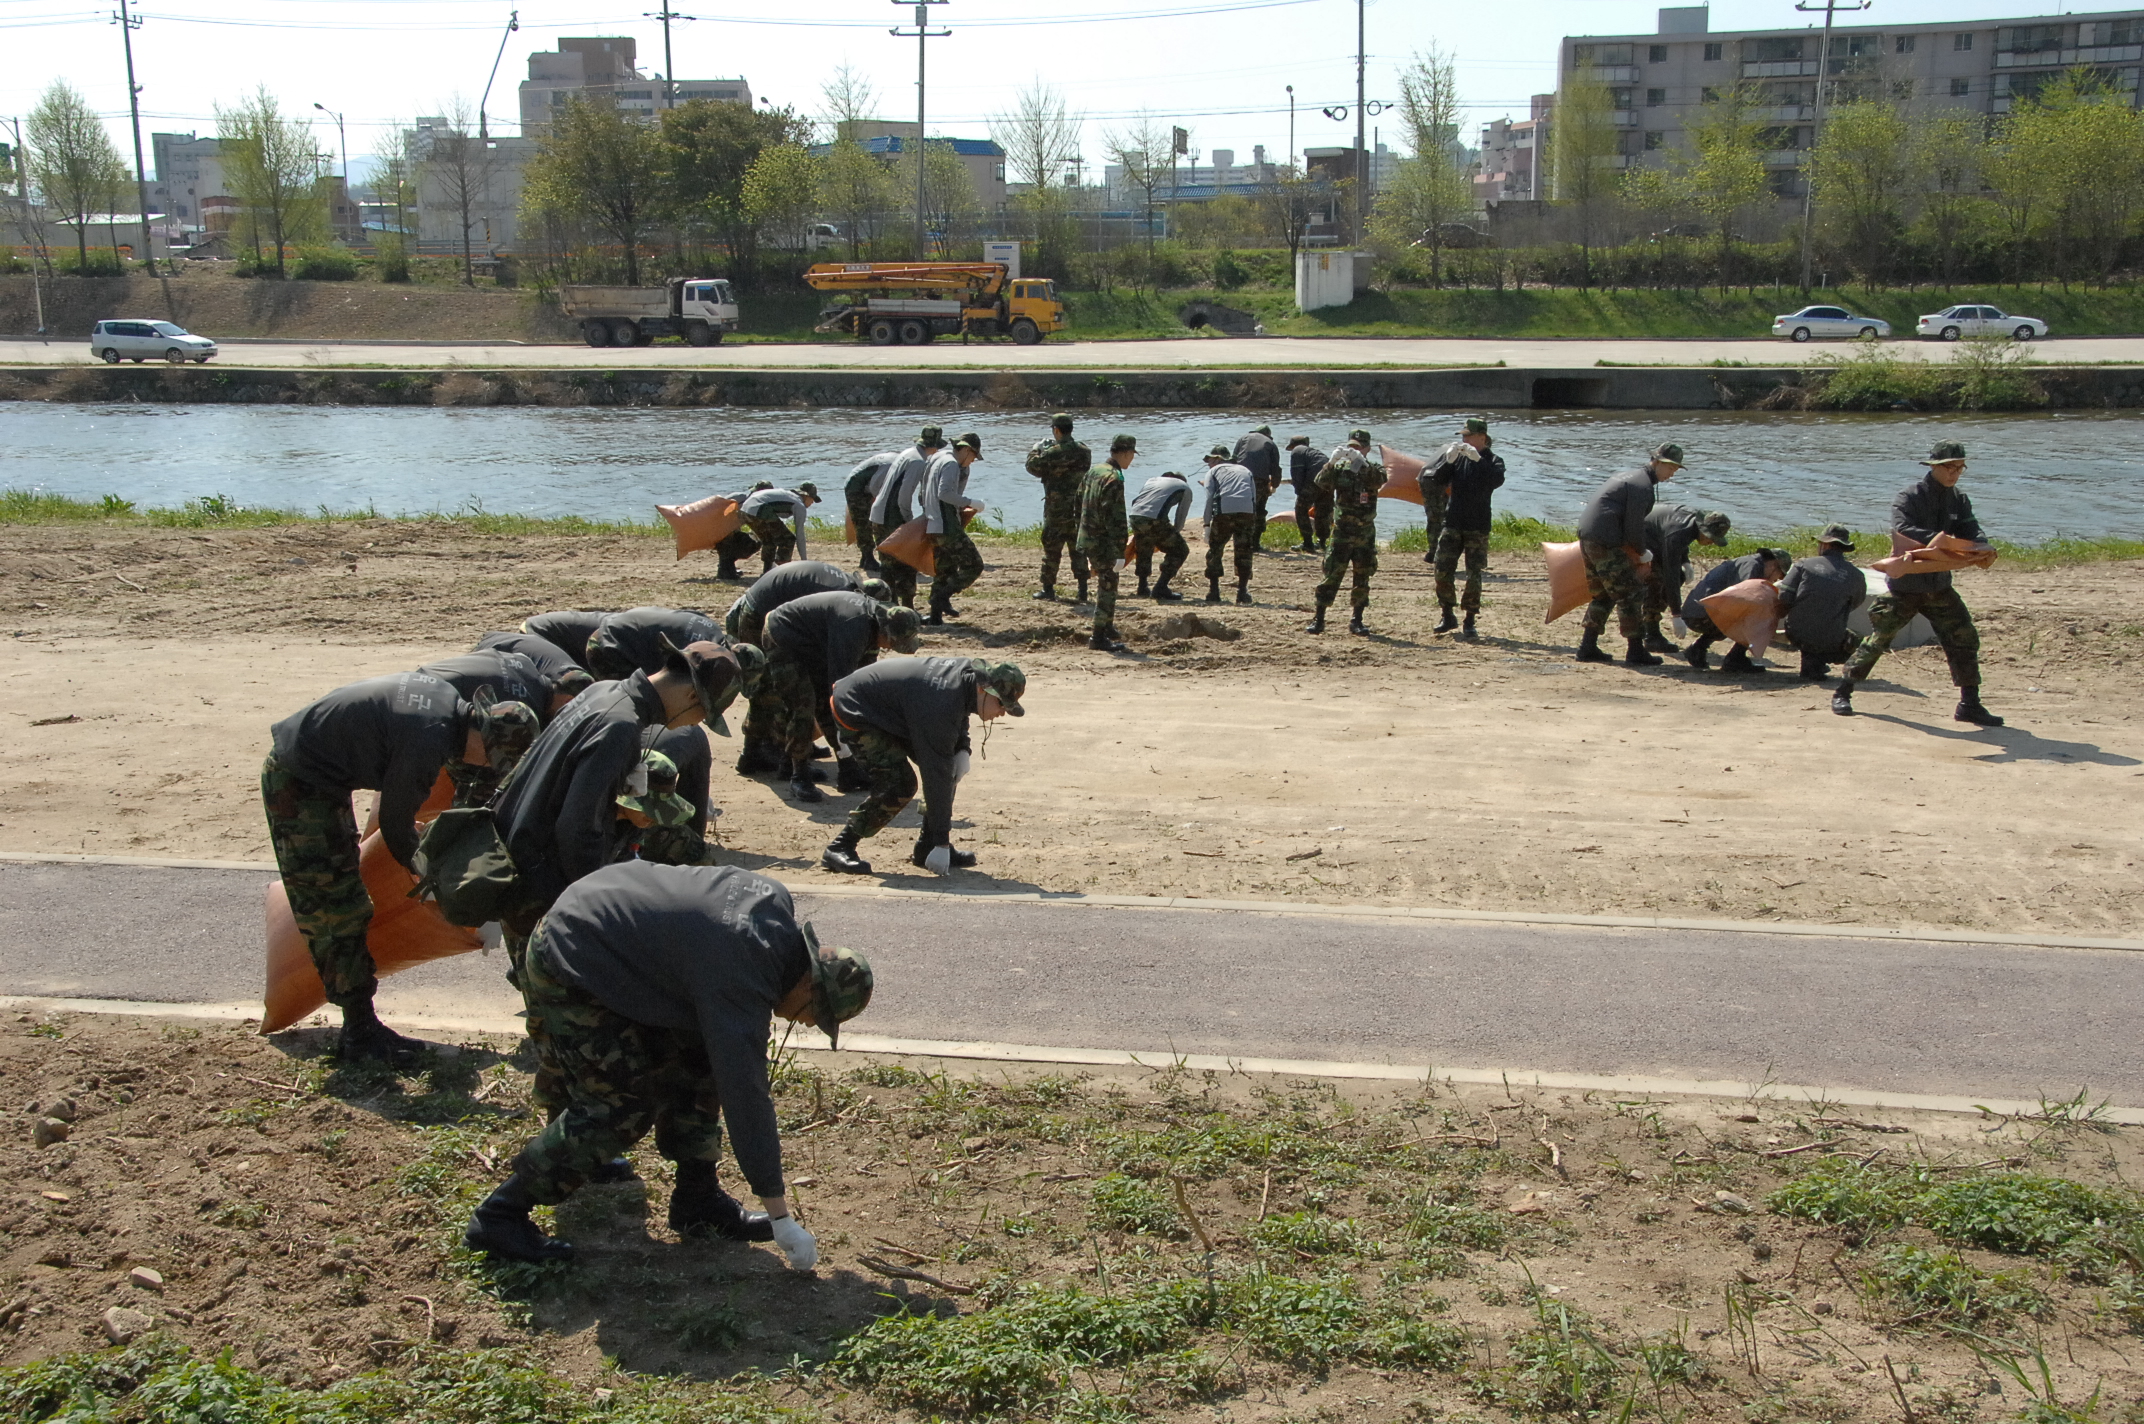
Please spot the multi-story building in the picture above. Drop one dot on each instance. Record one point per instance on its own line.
(1660, 83)
(606, 68)
(1511, 168)
(189, 174)
(451, 164)
(1219, 176)
(889, 139)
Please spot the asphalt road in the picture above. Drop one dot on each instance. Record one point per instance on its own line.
(1190, 352)
(1890, 1016)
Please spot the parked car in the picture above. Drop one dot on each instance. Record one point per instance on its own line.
(1819, 323)
(1954, 322)
(137, 341)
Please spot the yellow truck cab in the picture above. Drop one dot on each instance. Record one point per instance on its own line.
(1034, 299)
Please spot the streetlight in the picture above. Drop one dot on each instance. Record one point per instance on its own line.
(342, 142)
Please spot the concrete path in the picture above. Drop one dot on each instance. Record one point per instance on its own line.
(1195, 353)
(1890, 1016)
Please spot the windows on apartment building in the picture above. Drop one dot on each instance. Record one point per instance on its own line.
(1904, 45)
(1959, 88)
(1714, 53)
(1654, 98)
(1961, 41)
(1656, 54)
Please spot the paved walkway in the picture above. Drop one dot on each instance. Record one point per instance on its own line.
(1880, 1016)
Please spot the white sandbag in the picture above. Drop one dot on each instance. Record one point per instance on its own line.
(1918, 633)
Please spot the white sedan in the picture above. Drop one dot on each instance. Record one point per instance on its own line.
(1819, 323)
(1954, 322)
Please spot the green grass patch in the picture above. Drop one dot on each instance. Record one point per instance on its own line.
(1137, 1208)
(1916, 1286)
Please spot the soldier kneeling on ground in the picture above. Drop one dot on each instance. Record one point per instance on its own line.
(1815, 598)
(1766, 564)
(650, 991)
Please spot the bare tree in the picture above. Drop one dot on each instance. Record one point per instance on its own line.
(459, 165)
(1291, 202)
(273, 167)
(850, 98)
(1146, 151)
(1038, 134)
(73, 162)
(396, 166)
(1430, 190)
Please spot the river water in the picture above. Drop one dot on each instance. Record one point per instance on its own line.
(2031, 477)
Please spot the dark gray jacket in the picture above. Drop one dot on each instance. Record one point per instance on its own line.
(829, 635)
(638, 633)
(512, 677)
(1670, 530)
(1718, 579)
(552, 662)
(1616, 513)
(386, 734)
(796, 579)
(1816, 595)
(864, 479)
(1923, 511)
(557, 811)
(1258, 454)
(1303, 466)
(924, 704)
(1469, 486)
(699, 949)
(567, 629)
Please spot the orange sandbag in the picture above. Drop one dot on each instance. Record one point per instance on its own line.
(1942, 554)
(912, 547)
(702, 524)
(403, 932)
(1566, 580)
(1402, 475)
(1747, 613)
(848, 529)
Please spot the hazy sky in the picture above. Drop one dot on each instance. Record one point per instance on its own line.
(1219, 67)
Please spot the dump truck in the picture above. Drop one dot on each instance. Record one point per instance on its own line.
(912, 302)
(700, 309)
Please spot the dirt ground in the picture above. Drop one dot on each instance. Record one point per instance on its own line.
(1373, 1252)
(143, 666)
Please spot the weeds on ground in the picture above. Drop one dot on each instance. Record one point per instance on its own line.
(1912, 1285)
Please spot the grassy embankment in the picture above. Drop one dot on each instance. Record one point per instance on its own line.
(1513, 534)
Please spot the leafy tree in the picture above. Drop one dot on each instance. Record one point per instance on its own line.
(705, 148)
(781, 194)
(1428, 189)
(2094, 138)
(1949, 151)
(950, 206)
(598, 166)
(1230, 220)
(1145, 150)
(1863, 168)
(72, 161)
(1723, 178)
(273, 167)
(2022, 165)
(460, 166)
(855, 191)
(1584, 143)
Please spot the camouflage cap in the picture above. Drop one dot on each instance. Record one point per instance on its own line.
(1358, 436)
(1943, 452)
(1061, 421)
(1297, 440)
(1837, 534)
(715, 673)
(1120, 443)
(931, 435)
(1713, 525)
(507, 729)
(1777, 556)
(1004, 679)
(1218, 452)
(1265, 430)
(972, 441)
(1475, 426)
(904, 629)
(574, 681)
(660, 803)
(808, 489)
(840, 982)
(1669, 453)
(876, 588)
(751, 667)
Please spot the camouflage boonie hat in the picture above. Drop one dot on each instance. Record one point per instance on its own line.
(1004, 679)
(1837, 534)
(904, 629)
(507, 729)
(840, 982)
(1714, 525)
(931, 435)
(660, 803)
(716, 674)
(1119, 444)
(808, 489)
(972, 441)
(1671, 453)
(1218, 452)
(1358, 436)
(1943, 452)
(1475, 426)
(876, 588)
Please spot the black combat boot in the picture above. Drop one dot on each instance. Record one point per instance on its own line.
(1635, 655)
(1695, 654)
(802, 785)
(1354, 624)
(366, 1040)
(1165, 594)
(699, 1207)
(961, 859)
(1655, 640)
(757, 758)
(501, 1227)
(1080, 598)
(1842, 697)
(728, 572)
(847, 778)
(1317, 622)
(1213, 590)
(1045, 594)
(1589, 649)
(1143, 591)
(1105, 641)
(1814, 668)
(1243, 591)
(1970, 710)
(1466, 630)
(1447, 623)
(840, 855)
(1737, 662)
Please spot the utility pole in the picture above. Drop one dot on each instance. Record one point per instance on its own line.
(483, 129)
(1816, 129)
(666, 15)
(1362, 159)
(128, 23)
(922, 32)
(22, 191)
(342, 142)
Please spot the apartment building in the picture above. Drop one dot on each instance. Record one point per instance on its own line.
(607, 68)
(1660, 83)
(189, 175)
(1511, 167)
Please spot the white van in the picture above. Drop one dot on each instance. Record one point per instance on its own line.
(116, 341)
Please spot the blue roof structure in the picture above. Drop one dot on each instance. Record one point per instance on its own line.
(964, 147)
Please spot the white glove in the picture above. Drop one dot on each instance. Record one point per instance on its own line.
(799, 1247)
(961, 763)
(939, 861)
(972, 505)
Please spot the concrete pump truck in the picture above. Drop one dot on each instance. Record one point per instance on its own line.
(911, 302)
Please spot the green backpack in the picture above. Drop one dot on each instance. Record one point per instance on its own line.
(463, 866)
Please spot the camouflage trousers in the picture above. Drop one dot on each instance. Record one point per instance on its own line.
(1435, 502)
(1474, 544)
(1353, 546)
(1660, 600)
(777, 542)
(898, 576)
(1105, 593)
(792, 702)
(1615, 582)
(1240, 530)
(737, 546)
(890, 781)
(1060, 530)
(958, 561)
(1946, 613)
(315, 838)
(603, 1080)
(1314, 515)
(860, 527)
(745, 624)
(1158, 536)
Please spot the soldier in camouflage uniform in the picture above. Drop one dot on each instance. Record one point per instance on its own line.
(1933, 506)
(1157, 518)
(391, 735)
(651, 992)
(1611, 539)
(956, 562)
(1352, 479)
(1104, 529)
(1469, 474)
(1232, 517)
(764, 513)
(740, 544)
(863, 486)
(1061, 463)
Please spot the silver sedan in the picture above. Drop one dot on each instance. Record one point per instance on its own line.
(1951, 323)
(1833, 323)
